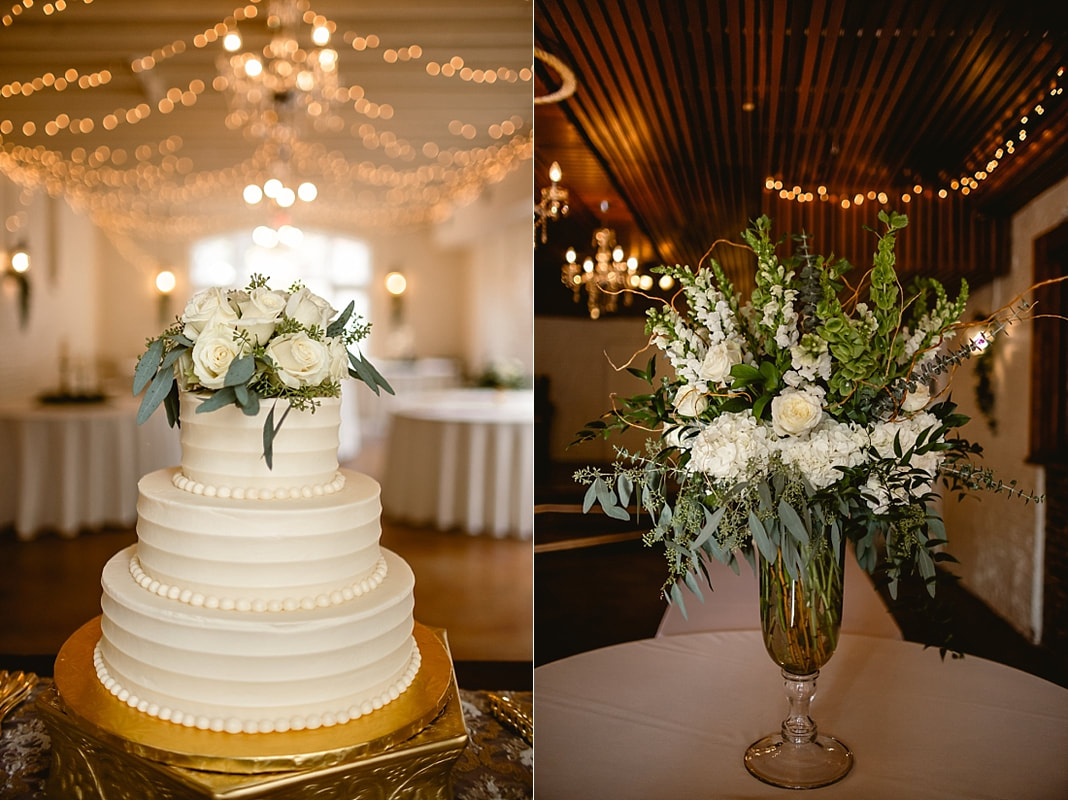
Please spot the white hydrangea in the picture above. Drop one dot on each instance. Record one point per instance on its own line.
(831, 444)
(733, 447)
(906, 430)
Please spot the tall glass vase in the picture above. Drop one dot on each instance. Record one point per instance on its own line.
(800, 617)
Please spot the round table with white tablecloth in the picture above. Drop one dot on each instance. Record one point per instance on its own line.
(462, 459)
(672, 717)
(73, 466)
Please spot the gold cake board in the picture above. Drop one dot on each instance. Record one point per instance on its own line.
(104, 750)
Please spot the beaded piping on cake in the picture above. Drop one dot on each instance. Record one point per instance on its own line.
(199, 599)
(187, 484)
(277, 725)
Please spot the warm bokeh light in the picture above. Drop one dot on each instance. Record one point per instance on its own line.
(165, 281)
(396, 284)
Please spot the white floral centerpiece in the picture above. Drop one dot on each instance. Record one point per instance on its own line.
(241, 346)
(814, 406)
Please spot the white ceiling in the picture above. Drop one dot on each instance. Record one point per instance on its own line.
(180, 173)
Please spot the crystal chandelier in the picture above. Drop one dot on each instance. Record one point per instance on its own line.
(287, 85)
(553, 204)
(605, 275)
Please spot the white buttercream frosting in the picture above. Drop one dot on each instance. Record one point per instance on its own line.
(256, 599)
(242, 671)
(272, 550)
(244, 603)
(223, 448)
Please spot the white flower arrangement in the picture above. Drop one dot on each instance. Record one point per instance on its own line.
(241, 346)
(800, 411)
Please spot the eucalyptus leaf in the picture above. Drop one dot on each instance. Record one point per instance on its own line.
(691, 584)
(589, 499)
(624, 488)
(760, 536)
(171, 405)
(222, 398)
(712, 520)
(155, 394)
(240, 371)
(793, 522)
(147, 366)
(268, 439)
(338, 325)
(675, 593)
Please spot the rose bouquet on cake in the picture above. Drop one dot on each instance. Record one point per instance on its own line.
(809, 415)
(239, 347)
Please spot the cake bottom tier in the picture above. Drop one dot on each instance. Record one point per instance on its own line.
(255, 672)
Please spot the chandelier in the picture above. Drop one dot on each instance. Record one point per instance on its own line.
(553, 204)
(605, 275)
(277, 91)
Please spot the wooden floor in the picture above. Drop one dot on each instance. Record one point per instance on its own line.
(479, 589)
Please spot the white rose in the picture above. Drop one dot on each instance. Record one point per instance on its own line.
(260, 310)
(689, 402)
(301, 360)
(794, 413)
(716, 367)
(917, 400)
(309, 309)
(339, 358)
(213, 352)
(205, 309)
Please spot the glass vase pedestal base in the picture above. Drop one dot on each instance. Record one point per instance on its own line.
(791, 765)
(798, 756)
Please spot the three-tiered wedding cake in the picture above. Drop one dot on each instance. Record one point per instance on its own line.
(257, 598)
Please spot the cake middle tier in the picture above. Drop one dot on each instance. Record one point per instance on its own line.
(260, 555)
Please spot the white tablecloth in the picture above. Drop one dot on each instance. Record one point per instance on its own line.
(735, 604)
(408, 379)
(76, 466)
(462, 459)
(671, 718)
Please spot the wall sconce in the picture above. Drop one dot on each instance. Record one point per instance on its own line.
(17, 267)
(397, 285)
(553, 204)
(165, 283)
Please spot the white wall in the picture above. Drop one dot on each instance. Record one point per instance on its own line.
(63, 293)
(494, 235)
(1000, 541)
(582, 360)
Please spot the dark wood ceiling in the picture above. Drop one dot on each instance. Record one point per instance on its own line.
(683, 110)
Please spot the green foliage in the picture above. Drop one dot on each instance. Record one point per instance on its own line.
(252, 376)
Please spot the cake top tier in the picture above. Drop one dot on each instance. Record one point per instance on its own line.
(247, 351)
(222, 450)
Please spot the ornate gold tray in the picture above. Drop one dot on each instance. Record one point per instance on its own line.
(84, 699)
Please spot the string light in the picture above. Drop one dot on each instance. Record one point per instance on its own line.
(964, 185)
(142, 190)
(57, 7)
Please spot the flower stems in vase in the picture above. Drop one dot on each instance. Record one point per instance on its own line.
(800, 617)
